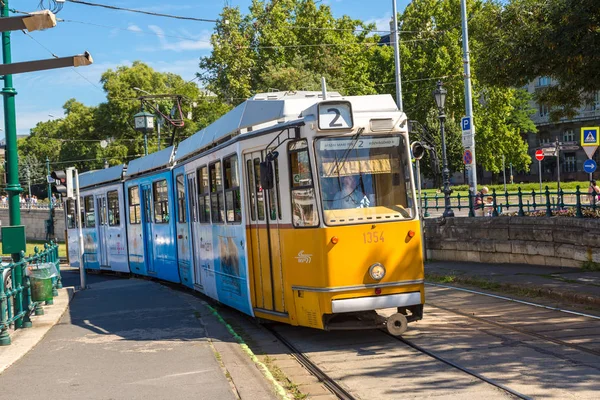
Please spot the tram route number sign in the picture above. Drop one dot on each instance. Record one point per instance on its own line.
(335, 115)
(370, 143)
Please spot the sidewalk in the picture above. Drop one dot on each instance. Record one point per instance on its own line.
(135, 339)
(556, 283)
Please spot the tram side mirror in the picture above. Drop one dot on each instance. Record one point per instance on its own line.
(417, 149)
(266, 175)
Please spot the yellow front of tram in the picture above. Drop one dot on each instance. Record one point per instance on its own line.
(356, 245)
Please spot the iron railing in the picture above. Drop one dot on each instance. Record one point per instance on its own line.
(16, 304)
(520, 203)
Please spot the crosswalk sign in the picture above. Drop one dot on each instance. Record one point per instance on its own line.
(589, 136)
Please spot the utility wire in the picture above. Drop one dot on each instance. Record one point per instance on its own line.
(141, 11)
(55, 56)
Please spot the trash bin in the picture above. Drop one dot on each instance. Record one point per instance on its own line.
(40, 276)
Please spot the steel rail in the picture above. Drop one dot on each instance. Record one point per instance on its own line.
(515, 300)
(515, 329)
(458, 367)
(325, 379)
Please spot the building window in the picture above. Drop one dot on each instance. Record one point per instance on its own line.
(181, 217)
(544, 141)
(161, 202)
(544, 81)
(568, 135)
(114, 216)
(134, 205)
(204, 195)
(232, 189)
(543, 110)
(570, 163)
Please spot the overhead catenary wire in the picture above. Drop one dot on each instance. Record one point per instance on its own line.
(155, 14)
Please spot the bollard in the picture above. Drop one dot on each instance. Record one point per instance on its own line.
(548, 209)
(579, 213)
(507, 203)
(520, 196)
(534, 205)
(471, 207)
(561, 199)
(426, 206)
(458, 198)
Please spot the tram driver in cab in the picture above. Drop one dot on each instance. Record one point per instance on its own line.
(351, 194)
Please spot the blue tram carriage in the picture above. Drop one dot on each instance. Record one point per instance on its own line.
(150, 216)
(104, 232)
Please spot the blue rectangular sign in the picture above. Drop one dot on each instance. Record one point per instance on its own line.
(466, 123)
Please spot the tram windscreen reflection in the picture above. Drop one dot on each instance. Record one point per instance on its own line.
(364, 179)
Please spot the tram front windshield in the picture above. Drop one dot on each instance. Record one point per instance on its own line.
(364, 179)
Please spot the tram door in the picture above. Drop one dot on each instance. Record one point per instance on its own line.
(263, 239)
(102, 231)
(192, 196)
(147, 227)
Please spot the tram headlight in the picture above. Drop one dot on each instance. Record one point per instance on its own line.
(377, 271)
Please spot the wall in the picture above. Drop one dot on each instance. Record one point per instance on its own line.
(35, 220)
(556, 241)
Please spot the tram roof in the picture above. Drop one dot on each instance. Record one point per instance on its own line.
(153, 161)
(100, 176)
(260, 111)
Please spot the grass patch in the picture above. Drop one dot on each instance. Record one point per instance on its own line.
(283, 379)
(590, 266)
(31, 244)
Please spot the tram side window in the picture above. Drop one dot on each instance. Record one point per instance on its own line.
(216, 192)
(258, 191)
(252, 199)
(204, 195)
(71, 214)
(304, 205)
(114, 216)
(181, 217)
(161, 201)
(274, 195)
(232, 189)
(134, 205)
(90, 216)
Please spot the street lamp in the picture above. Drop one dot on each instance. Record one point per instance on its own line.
(440, 100)
(144, 122)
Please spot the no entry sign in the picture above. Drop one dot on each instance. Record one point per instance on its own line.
(539, 155)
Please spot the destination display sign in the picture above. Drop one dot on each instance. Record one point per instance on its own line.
(369, 143)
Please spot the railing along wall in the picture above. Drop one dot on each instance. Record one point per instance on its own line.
(521, 203)
(16, 304)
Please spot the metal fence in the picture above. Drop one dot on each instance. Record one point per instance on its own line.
(573, 203)
(16, 303)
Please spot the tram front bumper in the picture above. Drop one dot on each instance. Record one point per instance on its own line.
(375, 302)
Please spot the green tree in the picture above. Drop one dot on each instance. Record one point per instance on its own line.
(526, 39)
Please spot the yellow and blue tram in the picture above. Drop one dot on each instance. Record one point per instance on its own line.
(290, 208)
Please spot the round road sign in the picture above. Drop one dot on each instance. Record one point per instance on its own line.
(468, 157)
(589, 166)
(539, 155)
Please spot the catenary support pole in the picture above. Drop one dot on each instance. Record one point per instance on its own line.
(13, 187)
(468, 97)
(397, 57)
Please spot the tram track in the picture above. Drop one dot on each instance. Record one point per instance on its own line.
(325, 379)
(518, 330)
(458, 367)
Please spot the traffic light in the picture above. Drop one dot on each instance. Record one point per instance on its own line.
(63, 181)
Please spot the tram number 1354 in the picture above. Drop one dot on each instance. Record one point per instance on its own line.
(373, 237)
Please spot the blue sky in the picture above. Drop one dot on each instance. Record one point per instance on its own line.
(124, 37)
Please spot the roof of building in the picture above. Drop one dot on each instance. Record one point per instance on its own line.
(100, 176)
(153, 161)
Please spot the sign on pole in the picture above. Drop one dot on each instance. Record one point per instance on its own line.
(589, 136)
(467, 132)
(589, 166)
(539, 155)
(468, 157)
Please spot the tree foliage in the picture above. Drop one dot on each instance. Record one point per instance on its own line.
(74, 140)
(526, 39)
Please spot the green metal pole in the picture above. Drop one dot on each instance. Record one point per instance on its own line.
(12, 163)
